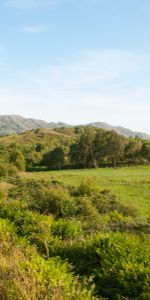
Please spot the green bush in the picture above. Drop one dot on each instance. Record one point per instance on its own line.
(25, 275)
(66, 228)
(54, 200)
(79, 225)
(8, 170)
(119, 264)
(124, 266)
(3, 170)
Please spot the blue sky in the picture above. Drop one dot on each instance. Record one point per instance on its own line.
(76, 61)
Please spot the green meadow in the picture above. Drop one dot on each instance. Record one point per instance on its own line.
(75, 234)
(131, 184)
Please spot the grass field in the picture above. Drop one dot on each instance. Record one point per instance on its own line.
(131, 184)
(100, 228)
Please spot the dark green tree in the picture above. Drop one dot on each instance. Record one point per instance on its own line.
(82, 152)
(145, 151)
(115, 146)
(54, 159)
(100, 147)
(74, 155)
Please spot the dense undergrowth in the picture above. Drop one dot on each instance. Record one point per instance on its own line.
(67, 242)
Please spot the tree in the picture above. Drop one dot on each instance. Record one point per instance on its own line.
(115, 146)
(133, 149)
(145, 150)
(81, 153)
(74, 155)
(17, 158)
(54, 159)
(99, 146)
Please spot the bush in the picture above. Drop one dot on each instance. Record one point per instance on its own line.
(66, 229)
(54, 200)
(25, 275)
(80, 225)
(124, 266)
(7, 170)
(119, 264)
(3, 170)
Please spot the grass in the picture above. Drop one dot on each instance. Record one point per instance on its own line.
(131, 184)
(105, 243)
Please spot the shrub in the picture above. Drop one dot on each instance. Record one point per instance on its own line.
(3, 170)
(87, 187)
(7, 170)
(66, 228)
(119, 264)
(54, 200)
(25, 275)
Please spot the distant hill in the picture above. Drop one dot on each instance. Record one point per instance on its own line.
(120, 130)
(13, 124)
(16, 124)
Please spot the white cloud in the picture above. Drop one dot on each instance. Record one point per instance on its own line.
(95, 85)
(93, 71)
(34, 28)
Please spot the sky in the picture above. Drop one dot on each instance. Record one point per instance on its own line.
(76, 61)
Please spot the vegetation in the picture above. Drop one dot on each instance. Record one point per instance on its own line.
(74, 234)
(13, 124)
(66, 148)
(73, 241)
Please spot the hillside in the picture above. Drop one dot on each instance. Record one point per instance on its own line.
(17, 124)
(13, 124)
(76, 147)
(72, 234)
(69, 234)
(120, 130)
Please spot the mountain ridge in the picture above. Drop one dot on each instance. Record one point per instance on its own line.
(15, 124)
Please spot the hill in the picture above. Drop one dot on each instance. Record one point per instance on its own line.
(120, 130)
(16, 124)
(13, 124)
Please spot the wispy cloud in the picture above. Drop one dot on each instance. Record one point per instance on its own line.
(34, 28)
(30, 4)
(25, 4)
(94, 85)
(92, 70)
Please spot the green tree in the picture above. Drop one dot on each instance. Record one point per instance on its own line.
(17, 158)
(132, 150)
(145, 150)
(54, 159)
(74, 155)
(115, 147)
(100, 145)
(85, 148)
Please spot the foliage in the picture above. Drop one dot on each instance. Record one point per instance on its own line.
(79, 147)
(17, 158)
(8, 170)
(25, 275)
(54, 159)
(86, 240)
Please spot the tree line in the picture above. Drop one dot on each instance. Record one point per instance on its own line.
(96, 148)
(91, 148)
